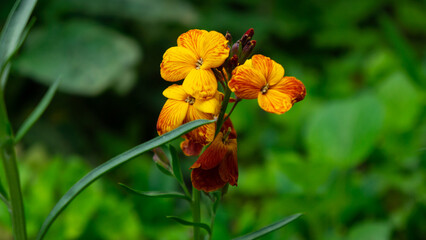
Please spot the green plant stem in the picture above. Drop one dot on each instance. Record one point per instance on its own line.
(8, 156)
(196, 213)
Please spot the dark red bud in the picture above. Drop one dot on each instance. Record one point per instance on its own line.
(228, 37)
(250, 33)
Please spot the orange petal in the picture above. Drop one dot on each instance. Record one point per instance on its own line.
(171, 116)
(175, 92)
(211, 105)
(228, 169)
(272, 71)
(213, 155)
(200, 84)
(203, 134)
(191, 39)
(246, 82)
(292, 87)
(177, 63)
(191, 148)
(274, 101)
(207, 180)
(213, 49)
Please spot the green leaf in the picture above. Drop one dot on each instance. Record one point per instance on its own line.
(156, 194)
(89, 57)
(15, 25)
(113, 163)
(176, 165)
(188, 223)
(371, 231)
(270, 228)
(342, 133)
(38, 111)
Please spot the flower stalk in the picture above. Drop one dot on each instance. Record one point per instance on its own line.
(196, 213)
(8, 157)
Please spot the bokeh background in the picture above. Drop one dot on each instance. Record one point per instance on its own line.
(351, 156)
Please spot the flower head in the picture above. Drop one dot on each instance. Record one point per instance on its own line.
(218, 164)
(262, 78)
(197, 52)
(182, 107)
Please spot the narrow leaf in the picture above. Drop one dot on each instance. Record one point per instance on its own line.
(187, 223)
(113, 163)
(15, 25)
(156, 194)
(38, 111)
(269, 228)
(176, 165)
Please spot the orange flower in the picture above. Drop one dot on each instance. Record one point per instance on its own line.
(197, 52)
(263, 78)
(181, 108)
(218, 164)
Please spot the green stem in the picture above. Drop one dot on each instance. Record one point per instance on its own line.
(196, 213)
(8, 156)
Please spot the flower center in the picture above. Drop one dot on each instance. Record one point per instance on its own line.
(190, 100)
(265, 88)
(198, 63)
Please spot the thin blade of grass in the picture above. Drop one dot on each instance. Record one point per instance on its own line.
(188, 223)
(99, 171)
(269, 228)
(156, 194)
(15, 25)
(38, 111)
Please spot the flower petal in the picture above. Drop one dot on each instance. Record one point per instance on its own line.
(213, 49)
(275, 101)
(171, 116)
(177, 63)
(228, 169)
(211, 105)
(175, 92)
(203, 134)
(213, 155)
(207, 180)
(246, 82)
(191, 39)
(292, 87)
(272, 71)
(191, 148)
(200, 84)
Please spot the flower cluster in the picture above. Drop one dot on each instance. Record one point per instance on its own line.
(203, 59)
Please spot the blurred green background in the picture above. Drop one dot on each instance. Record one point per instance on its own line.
(351, 156)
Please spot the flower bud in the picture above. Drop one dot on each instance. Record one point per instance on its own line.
(228, 37)
(235, 48)
(247, 36)
(247, 50)
(233, 62)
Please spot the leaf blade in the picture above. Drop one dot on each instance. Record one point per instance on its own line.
(38, 111)
(113, 163)
(270, 228)
(188, 223)
(156, 194)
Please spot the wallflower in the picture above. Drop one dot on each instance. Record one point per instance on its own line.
(262, 78)
(182, 107)
(218, 164)
(197, 52)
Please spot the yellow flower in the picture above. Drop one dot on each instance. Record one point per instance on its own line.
(196, 53)
(263, 78)
(182, 107)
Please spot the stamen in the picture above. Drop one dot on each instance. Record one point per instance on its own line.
(190, 100)
(225, 137)
(198, 63)
(265, 88)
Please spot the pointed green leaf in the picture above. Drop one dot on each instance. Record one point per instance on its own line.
(113, 163)
(161, 160)
(188, 223)
(15, 25)
(176, 165)
(156, 194)
(38, 111)
(163, 169)
(269, 228)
